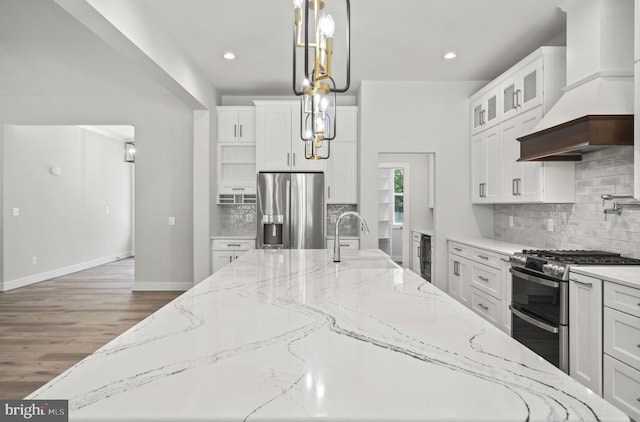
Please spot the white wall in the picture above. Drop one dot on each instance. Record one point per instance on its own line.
(63, 221)
(422, 117)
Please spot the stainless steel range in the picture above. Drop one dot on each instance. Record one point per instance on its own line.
(540, 298)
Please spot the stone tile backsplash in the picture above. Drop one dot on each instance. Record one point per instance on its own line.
(581, 225)
(349, 226)
(238, 220)
(241, 220)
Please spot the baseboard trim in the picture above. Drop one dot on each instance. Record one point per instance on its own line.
(158, 286)
(59, 272)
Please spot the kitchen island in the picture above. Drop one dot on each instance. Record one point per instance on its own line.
(283, 335)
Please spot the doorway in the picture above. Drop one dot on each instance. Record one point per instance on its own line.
(405, 201)
(70, 198)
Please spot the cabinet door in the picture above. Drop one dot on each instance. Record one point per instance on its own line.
(477, 114)
(341, 175)
(464, 269)
(506, 286)
(221, 258)
(415, 259)
(530, 173)
(273, 145)
(247, 125)
(227, 125)
(530, 86)
(478, 168)
(453, 287)
(585, 331)
(347, 124)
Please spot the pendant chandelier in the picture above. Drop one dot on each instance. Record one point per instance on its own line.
(317, 88)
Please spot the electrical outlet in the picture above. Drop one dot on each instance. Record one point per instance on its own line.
(16, 212)
(34, 260)
(172, 221)
(510, 221)
(550, 224)
(107, 210)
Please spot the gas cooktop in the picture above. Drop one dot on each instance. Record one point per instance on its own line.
(581, 257)
(556, 263)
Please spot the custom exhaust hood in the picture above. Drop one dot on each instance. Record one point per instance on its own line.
(596, 108)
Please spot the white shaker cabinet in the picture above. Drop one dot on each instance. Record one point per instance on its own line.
(278, 146)
(236, 124)
(485, 166)
(341, 169)
(227, 249)
(522, 90)
(621, 385)
(485, 111)
(585, 331)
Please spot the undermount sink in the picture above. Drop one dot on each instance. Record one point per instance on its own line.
(365, 263)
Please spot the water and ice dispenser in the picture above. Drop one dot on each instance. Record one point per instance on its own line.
(272, 229)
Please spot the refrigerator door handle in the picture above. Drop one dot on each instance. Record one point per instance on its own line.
(287, 210)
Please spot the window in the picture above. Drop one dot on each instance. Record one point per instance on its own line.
(398, 196)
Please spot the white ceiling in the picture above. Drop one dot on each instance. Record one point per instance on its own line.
(401, 40)
(391, 40)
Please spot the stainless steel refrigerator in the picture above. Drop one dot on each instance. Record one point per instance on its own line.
(290, 210)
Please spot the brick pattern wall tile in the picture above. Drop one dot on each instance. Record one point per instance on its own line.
(581, 225)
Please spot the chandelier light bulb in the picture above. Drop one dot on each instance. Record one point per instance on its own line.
(324, 104)
(319, 125)
(308, 134)
(326, 25)
(297, 4)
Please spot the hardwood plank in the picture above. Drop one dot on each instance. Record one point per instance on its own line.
(48, 327)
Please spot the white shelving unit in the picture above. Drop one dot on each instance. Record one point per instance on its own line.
(385, 209)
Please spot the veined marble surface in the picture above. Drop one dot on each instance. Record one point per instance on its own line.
(284, 335)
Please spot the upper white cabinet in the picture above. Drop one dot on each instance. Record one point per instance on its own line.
(522, 90)
(485, 111)
(341, 172)
(236, 124)
(522, 95)
(279, 147)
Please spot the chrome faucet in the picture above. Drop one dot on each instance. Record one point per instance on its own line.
(336, 240)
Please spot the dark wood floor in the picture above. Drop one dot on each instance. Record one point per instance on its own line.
(48, 327)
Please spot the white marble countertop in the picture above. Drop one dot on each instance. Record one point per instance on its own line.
(284, 335)
(494, 245)
(428, 232)
(629, 275)
(243, 236)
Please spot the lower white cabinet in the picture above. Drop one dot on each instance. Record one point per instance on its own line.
(415, 252)
(344, 243)
(480, 280)
(585, 331)
(227, 249)
(621, 328)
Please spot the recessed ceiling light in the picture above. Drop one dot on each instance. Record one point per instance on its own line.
(450, 55)
(229, 55)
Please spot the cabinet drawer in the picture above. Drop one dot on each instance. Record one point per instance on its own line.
(344, 243)
(485, 306)
(459, 249)
(486, 278)
(622, 337)
(622, 298)
(485, 257)
(622, 386)
(236, 188)
(233, 244)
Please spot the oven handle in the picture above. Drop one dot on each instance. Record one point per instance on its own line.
(534, 279)
(533, 321)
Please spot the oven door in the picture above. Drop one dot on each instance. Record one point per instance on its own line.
(546, 338)
(545, 297)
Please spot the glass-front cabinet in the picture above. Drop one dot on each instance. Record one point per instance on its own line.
(522, 91)
(485, 111)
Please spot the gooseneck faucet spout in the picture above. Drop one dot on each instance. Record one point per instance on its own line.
(336, 240)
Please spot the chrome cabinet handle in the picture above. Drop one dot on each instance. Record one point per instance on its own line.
(483, 279)
(241, 131)
(483, 257)
(233, 244)
(242, 189)
(294, 159)
(230, 258)
(457, 249)
(288, 159)
(329, 192)
(482, 121)
(235, 131)
(514, 187)
(584, 283)
(518, 186)
(456, 268)
(486, 308)
(514, 97)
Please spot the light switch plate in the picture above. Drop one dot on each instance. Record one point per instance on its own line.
(16, 212)
(172, 221)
